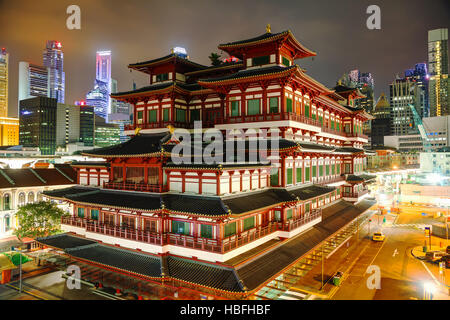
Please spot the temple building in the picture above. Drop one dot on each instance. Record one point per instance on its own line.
(198, 215)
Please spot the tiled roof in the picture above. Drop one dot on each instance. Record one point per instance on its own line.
(153, 87)
(348, 150)
(122, 259)
(314, 146)
(264, 36)
(64, 241)
(201, 205)
(139, 145)
(352, 177)
(267, 266)
(309, 192)
(90, 164)
(250, 73)
(27, 177)
(257, 200)
(169, 57)
(204, 274)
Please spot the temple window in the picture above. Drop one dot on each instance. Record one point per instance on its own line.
(253, 107)
(285, 61)
(152, 116)
(274, 177)
(117, 174)
(289, 176)
(140, 116)
(230, 229)
(258, 61)
(135, 174)
(206, 231)
(307, 207)
(249, 223)
(288, 214)
(180, 115)
(234, 108)
(277, 215)
(321, 120)
(94, 214)
(128, 222)
(288, 105)
(273, 105)
(195, 115)
(162, 77)
(321, 171)
(150, 225)
(306, 110)
(80, 212)
(180, 227)
(166, 114)
(109, 219)
(307, 174)
(299, 174)
(314, 171)
(153, 175)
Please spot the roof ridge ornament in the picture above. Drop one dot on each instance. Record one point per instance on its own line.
(268, 30)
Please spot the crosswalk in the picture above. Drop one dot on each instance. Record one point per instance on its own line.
(294, 295)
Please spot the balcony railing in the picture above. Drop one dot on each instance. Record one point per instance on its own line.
(354, 194)
(156, 125)
(357, 135)
(187, 241)
(134, 186)
(330, 180)
(294, 224)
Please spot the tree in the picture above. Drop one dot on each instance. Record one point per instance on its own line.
(39, 219)
(215, 59)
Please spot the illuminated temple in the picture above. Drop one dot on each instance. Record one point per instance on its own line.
(194, 224)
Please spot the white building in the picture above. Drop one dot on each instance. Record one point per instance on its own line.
(438, 162)
(22, 186)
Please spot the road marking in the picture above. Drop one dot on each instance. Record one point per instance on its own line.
(395, 253)
(430, 273)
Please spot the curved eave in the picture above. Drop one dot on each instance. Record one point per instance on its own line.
(240, 293)
(172, 88)
(112, 206)
(142, 66)
(154, 154)
(211, 70)
(287, 35)
(264, 76)
(316, 84)
(197, 214)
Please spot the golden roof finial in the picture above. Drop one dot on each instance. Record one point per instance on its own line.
(136, 131)
(340, 82)
(268, 28)
(171, 128)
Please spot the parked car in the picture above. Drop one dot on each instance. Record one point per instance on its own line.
(378, 236)
(434, 256)
(446, 260)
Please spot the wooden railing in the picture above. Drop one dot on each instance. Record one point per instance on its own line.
(294, 224)
(156, 125)
(354, 194)
(134, 186)
(187, 241)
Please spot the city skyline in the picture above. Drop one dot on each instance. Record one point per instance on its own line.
(106, 31)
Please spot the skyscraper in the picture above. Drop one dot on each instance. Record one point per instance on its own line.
(381, 125)
(438, 68)
(34, 81)
(4, 63)
(406, 91)
(37, 122)
(99, 97)
(54, 60)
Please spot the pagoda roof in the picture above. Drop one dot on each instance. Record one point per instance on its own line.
(202, 273)
(187, 204)
(268, 37)
(171, 58)
(348, 150)
(211, 69)
(157, 88)
(140, 145)
(251, 75)
(345, 91)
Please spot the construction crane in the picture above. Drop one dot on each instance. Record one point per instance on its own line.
(420, 126)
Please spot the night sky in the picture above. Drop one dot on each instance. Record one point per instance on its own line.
(138, 30)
